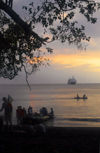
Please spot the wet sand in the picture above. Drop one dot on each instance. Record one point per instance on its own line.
(55, 140)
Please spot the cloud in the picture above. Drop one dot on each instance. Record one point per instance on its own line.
(87, 60)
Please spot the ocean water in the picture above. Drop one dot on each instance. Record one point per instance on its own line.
(68, 111)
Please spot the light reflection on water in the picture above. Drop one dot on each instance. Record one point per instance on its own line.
(60, 97)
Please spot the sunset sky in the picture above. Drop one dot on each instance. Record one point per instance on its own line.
(67, 61)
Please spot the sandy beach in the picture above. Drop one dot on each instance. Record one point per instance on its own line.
(55, 140)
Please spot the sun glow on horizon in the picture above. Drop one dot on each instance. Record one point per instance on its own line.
(89, 60)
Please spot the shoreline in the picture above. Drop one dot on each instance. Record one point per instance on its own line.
(95, 131)
(55, 140)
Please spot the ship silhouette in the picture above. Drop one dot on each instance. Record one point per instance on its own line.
(72, 81)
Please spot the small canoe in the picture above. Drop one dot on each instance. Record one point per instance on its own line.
(78, 98)
(33, 120)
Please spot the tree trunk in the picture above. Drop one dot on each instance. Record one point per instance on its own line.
(19, 21)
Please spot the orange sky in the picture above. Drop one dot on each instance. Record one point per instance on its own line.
(91, 59)
(67, 58)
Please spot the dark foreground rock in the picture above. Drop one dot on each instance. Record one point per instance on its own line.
(55, 140)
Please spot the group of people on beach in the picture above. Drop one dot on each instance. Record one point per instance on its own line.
(44, 111)
(21, 112)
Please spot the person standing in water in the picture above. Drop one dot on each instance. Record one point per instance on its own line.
(7, 107)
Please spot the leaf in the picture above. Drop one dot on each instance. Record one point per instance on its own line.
(50, 50)
(24, 7)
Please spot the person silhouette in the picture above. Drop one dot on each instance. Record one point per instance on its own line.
(52, 112)
(30, 111)
(7, 107)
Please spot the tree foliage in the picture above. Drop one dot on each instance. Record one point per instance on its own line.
(20, 45)
(58, 16)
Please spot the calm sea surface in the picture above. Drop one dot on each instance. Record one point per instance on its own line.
(68, 111)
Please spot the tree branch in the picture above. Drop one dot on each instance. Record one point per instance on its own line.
(20, 22)
(26, 77)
